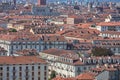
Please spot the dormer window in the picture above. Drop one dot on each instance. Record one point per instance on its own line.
(89, 61)
(114, 60)
(109, 60)
(94, 61)
(71, 61)
(104, 61)
(57, 39)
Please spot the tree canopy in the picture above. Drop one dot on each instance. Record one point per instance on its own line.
(98, 51)
(53, 75)
(12, 30)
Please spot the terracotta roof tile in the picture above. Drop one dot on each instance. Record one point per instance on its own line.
(20, 60)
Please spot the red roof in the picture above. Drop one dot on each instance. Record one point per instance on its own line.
(20, 60)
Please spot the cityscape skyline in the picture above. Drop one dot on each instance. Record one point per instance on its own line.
(59, 40)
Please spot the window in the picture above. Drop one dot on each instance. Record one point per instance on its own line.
(26, 46)
(26, 73)
(45, 67)
(20, 68)
(16, 46)
(38, 78)
(26, 78)
(7, 68)
(45, 73)
(84, 68)
(13, 73)
(7, 74)
(1, 74)
(38, 67)
(32, 73)
(1, 68)
(20, 74)
(38, 73)
(45, 78)
(26, 67)
(32, 67)
(13, 68)
(7, 79)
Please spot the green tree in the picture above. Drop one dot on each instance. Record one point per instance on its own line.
(13, 30)
(93, 26)
(98, 51)
(52, 75)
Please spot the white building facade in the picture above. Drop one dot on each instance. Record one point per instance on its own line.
(23, 68)
(13, 43)
(69, 64)
(64, 66)
(108, 26)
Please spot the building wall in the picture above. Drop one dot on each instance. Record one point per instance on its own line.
(43, 11)
(115, 48)
(38, 45)
(70, 20)
(26, 72)
(110, 35)
(41, 2)
(79, 69)
(64, 68)
(108, 28)
(103, 76)
(16, 26)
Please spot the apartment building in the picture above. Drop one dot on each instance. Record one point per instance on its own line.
(110, 34)
(105, 72)
(108, 26)
(13, 43)
(23, 68)
(45, 29)
(44, 11)
(68, 63)
(112, 17)
(110, 43)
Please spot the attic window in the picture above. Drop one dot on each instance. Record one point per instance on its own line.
(81, 31)
(57, 39)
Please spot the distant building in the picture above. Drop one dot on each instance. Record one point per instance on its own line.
(110, 34)
(74, 20)
(6, 6)
(113, 44)
(64, 62)
(113, 17)
(90, 5)
(67, 63)
(47, 29)
(105, 72)
(13, 43)
(23, 68)
(44, 11)
(108, 26)
(41, 2)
